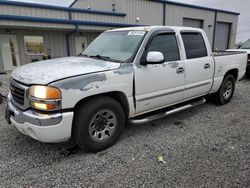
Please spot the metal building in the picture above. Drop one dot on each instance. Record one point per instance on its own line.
(28, 31)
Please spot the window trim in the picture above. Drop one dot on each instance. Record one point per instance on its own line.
(156, 33)
(33, 54)
(194, 32)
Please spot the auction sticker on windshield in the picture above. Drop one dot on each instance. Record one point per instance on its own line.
(140, 33)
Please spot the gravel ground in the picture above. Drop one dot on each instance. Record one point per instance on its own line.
(4, 80)
(208, 146)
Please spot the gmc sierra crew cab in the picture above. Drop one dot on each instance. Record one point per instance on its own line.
(133, 75)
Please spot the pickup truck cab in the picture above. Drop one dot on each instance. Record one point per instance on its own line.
(131, 75)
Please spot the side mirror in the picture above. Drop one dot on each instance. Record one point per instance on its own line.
(153, 57)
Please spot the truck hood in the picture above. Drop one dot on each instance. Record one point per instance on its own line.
(45, 72)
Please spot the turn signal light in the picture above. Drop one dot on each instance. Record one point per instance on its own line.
(43, 106)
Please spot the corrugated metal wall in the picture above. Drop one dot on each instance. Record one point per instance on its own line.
(233, 20)
(32, 25)
(34, 12)
(54, 40)
(133, 9)
(149, 12)
(99, 5)
(175, 15)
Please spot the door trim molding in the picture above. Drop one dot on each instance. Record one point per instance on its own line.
(198, 85)
(173, 92)
(161, 95)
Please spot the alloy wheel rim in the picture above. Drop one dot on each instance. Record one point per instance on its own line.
(228, 89)
(102, 126)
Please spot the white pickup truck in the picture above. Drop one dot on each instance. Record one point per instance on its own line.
(133, 75)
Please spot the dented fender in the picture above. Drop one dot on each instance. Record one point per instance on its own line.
(78, 88)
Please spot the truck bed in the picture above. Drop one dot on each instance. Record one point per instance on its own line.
(227, 59)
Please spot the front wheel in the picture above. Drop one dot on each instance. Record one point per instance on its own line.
(226, 91)
(98, 123)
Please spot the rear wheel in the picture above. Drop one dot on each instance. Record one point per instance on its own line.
(226, 91)
(98, 123)
(248, 73)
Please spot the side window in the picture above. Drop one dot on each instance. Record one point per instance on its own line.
(167, 44)
(34, 45)
(194, 45)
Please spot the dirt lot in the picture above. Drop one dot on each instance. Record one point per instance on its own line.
(206, 146)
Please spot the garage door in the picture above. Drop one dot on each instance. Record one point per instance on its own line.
(187, 22)
(222, 36)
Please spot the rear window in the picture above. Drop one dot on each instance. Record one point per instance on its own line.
(194, 45)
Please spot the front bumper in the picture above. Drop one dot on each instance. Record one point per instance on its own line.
(47, 128)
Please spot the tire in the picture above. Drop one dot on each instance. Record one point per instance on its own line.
(98, 123)
(226, 91)
(1, 99)
(248, 73)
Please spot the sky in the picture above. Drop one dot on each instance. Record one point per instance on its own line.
(241, 6)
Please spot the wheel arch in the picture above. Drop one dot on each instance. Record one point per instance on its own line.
(117, 95)
(234, 72)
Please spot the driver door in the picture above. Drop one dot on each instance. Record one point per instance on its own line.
(161, 84)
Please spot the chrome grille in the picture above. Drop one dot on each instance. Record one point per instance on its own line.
(17, 94)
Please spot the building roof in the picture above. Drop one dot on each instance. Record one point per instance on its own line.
(35, 5)
(195, 6)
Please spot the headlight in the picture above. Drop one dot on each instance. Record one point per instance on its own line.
(45, 92)
(45, 98)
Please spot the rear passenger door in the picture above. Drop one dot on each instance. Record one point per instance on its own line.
(199, 65)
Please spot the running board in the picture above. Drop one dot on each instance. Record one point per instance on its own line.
(167, 113)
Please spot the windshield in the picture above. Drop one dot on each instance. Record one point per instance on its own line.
(246, 45)
(115, 45)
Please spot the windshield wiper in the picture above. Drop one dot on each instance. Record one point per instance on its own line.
(85, 55)
(105, 58)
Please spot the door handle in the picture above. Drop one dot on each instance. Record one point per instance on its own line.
(180, 70)
(207, 66)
